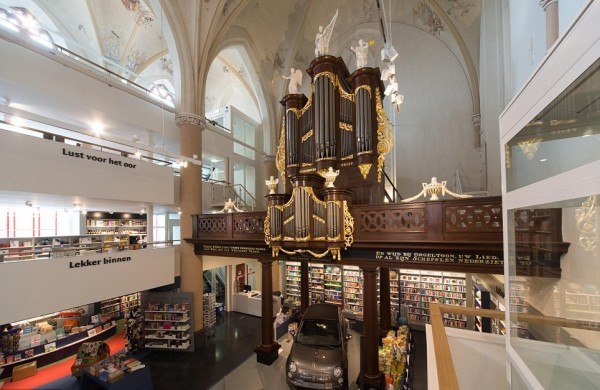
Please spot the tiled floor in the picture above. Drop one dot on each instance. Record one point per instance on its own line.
(227, 360)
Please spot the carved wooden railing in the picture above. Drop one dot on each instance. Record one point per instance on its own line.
(465, 221)
(246, 227)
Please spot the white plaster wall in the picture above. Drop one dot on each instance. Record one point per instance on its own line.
(437, 106)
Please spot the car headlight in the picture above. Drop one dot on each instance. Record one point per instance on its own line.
(338, 371)
(293, 367)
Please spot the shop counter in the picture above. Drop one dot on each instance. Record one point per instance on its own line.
(251, 303)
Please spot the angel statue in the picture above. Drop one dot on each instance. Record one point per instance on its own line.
(295, 78)
(361, 53)
(322, 38)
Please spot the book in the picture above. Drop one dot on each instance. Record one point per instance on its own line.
(60, 333)
(50, 347)
(36, 340)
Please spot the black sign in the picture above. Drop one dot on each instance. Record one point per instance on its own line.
(234, 249)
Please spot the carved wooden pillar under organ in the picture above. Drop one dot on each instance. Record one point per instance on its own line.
(268, 350)
(385, 308)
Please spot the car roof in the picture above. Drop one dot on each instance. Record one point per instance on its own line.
(322, 311)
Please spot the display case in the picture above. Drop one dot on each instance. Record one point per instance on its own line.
(550, 134)
(168, 320)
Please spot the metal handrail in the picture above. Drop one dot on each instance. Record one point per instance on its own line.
(395, 191)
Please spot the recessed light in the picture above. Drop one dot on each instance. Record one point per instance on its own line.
(543, 160)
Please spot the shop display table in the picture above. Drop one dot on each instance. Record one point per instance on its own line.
(137, 380)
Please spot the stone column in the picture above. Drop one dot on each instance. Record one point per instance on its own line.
(370, 376)
(551, 9)
(385, 308)
(268, 350)
(304, 278)
(190, 202)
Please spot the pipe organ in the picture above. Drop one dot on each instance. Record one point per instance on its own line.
(341, 127)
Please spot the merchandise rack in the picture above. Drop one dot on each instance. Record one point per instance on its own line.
(210, 315)
(168, 320)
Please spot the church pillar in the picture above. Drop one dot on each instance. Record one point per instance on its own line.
(551, 9)
(268, 349)
(370, 376)
(190, 202)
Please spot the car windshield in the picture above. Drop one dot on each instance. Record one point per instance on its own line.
(319, 333)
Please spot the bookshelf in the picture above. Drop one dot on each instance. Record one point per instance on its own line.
(102, 223)
(394, 292)
(519, 292)
(481, 300)
(168, 320)
(332, 284)
(292, 282)
(316, 290)
(353, 290)
(418, 288)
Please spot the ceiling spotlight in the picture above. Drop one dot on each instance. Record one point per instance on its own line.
(179, 210)
(83, 212)
(195, 157)
(143, 211)
(28, 203)
(138, 154)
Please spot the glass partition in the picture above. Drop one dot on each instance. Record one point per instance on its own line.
(550, 134)
(563, 136)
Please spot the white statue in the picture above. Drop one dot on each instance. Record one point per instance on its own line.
(322, 38)
(295, 78)
(361, 52)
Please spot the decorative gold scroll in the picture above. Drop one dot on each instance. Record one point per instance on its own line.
(385, 134)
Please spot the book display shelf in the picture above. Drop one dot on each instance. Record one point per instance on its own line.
(333, 284)
(353, 290)
(316, 290)
(482, 300)
(418, 288)
(518, 304)
(26, 248)
(119, 307)
(101, 223)
(168, 320)
(292, 282)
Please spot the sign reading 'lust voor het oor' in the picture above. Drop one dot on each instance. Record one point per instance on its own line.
(101, 160)
(92, 263)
